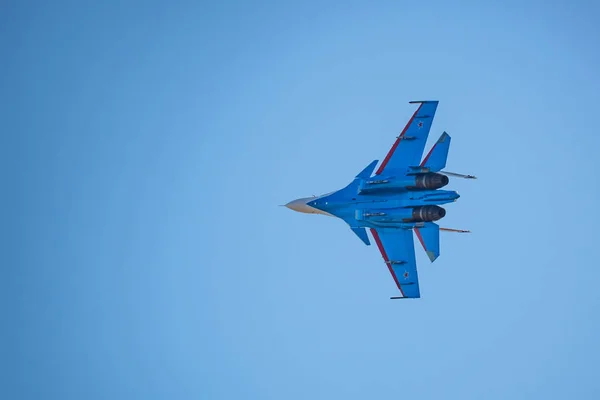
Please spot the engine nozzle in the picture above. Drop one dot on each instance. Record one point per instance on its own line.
(431, 181)
(427, 213)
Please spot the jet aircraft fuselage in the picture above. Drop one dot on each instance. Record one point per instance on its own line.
(403, 196)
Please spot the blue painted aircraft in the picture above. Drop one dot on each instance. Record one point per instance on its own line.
(403, 197)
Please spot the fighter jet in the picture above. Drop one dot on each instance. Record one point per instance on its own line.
(404, 196)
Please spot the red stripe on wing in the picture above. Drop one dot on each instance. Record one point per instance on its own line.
(385, 257)
(428, 155)
(420, 238)
(396, 143)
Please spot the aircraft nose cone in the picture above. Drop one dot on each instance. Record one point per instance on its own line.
(304, 205)
(300, 205)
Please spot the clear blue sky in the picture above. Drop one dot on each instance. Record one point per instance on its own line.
(148, 145)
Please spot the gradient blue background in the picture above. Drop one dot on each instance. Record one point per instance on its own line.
(148, 145)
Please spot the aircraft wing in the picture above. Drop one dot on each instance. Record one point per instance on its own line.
(398, 251)
(408, 147)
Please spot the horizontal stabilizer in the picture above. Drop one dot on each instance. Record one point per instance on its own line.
(368, 171)
(429, 236)
(437, 156)
(362, 235)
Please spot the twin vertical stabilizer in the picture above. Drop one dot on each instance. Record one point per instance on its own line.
(435, 160)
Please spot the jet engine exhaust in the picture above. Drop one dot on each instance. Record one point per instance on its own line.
(431, 181)
(427, 214)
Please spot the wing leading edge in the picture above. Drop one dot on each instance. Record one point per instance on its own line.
(398, 251)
